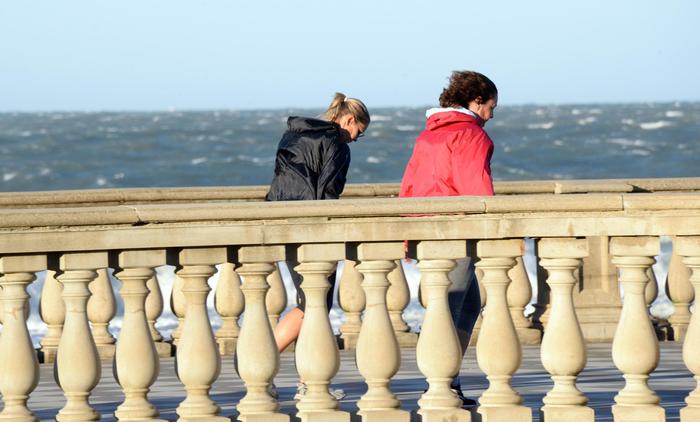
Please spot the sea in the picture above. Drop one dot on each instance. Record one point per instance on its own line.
(91, 150)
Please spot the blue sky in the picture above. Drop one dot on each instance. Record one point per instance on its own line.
(154, 55)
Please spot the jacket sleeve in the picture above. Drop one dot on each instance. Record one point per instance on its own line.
(331, 181)
(471, 166)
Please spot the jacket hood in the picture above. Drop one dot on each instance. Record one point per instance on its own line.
(438, 117)
(304, 124)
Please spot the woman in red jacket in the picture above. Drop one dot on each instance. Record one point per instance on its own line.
(452, 157)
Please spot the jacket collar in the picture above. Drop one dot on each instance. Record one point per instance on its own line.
(439, 116)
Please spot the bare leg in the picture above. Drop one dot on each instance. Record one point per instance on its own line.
(287, 329)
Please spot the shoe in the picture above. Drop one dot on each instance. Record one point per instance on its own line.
(456, 386)
(272, 391)
(301, 392)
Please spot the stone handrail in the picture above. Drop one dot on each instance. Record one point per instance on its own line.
(94, 197)
(76, 244)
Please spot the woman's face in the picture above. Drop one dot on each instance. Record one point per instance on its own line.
(351, 128)
(484, 109)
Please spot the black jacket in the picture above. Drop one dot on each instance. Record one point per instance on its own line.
(312, 161)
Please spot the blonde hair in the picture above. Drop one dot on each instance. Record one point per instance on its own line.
(342, 105)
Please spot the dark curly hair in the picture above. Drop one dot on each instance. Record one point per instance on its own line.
(464, 87)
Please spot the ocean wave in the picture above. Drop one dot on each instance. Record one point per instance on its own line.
(199, 160)
(381, 118)
(655, 125)
(256, 160)
(674, 113)
(406, 128)
(641, 152)
(8, 176)
(45, 171)
(101, 181)
(587, 121)
(628, 122)
(627, 142)
(374, 160)
(545, 126)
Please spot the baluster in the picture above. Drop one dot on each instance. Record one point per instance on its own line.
(316, 351)
(19, 367)
(256, 351)
(154, 308)
(198, 359)
(651, 290)
(78, 367)
(378, 355)
(276, 298)
(519, 295)
(397, 298)
(53, 313)
(688, 248)
(101, 308)
(229, 303)
(635, 347)
(177, 305)
(680, 291)
(563, 349)
(498, 349)
(438, 353)
(136, 360)
(351, 299)
(482, 295)
(541, 314)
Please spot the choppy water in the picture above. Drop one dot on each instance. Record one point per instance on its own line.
(47, 151)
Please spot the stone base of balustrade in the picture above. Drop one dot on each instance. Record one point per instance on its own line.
(677, 333)
(210, 419)
(598, 332)
(407, 339)
(227, 346)
(566, 414)
(348, 341)
(265, 417)
(689, 414)
(622, 413)
(529, 336)
(395, 415)
(46, 354)
(163, 349)
(508, 413)
(106, 351)
(451, 415)
(328, 416)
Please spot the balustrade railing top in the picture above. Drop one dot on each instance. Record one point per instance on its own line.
(93, 197)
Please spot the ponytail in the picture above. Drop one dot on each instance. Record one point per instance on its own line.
(342, 105)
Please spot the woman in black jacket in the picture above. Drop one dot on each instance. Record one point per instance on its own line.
(312, 161)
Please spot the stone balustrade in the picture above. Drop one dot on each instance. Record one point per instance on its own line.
(574, 234)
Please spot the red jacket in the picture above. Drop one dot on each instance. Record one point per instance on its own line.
(452, 157)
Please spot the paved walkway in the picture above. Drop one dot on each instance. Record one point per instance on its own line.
(600, 381)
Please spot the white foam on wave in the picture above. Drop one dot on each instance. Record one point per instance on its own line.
(544, 126)
(587, 120)
(199, 160)
(406, 128)
(8, 176)
(45, 171)
(374, 160)
(381, 118)
(256, 160)
(575, 112)
(674, 113)
(655, 125)
(628, 122)
(595, 111)
(641, 152)
(101, 181)
(558, 142)
(627, 142)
